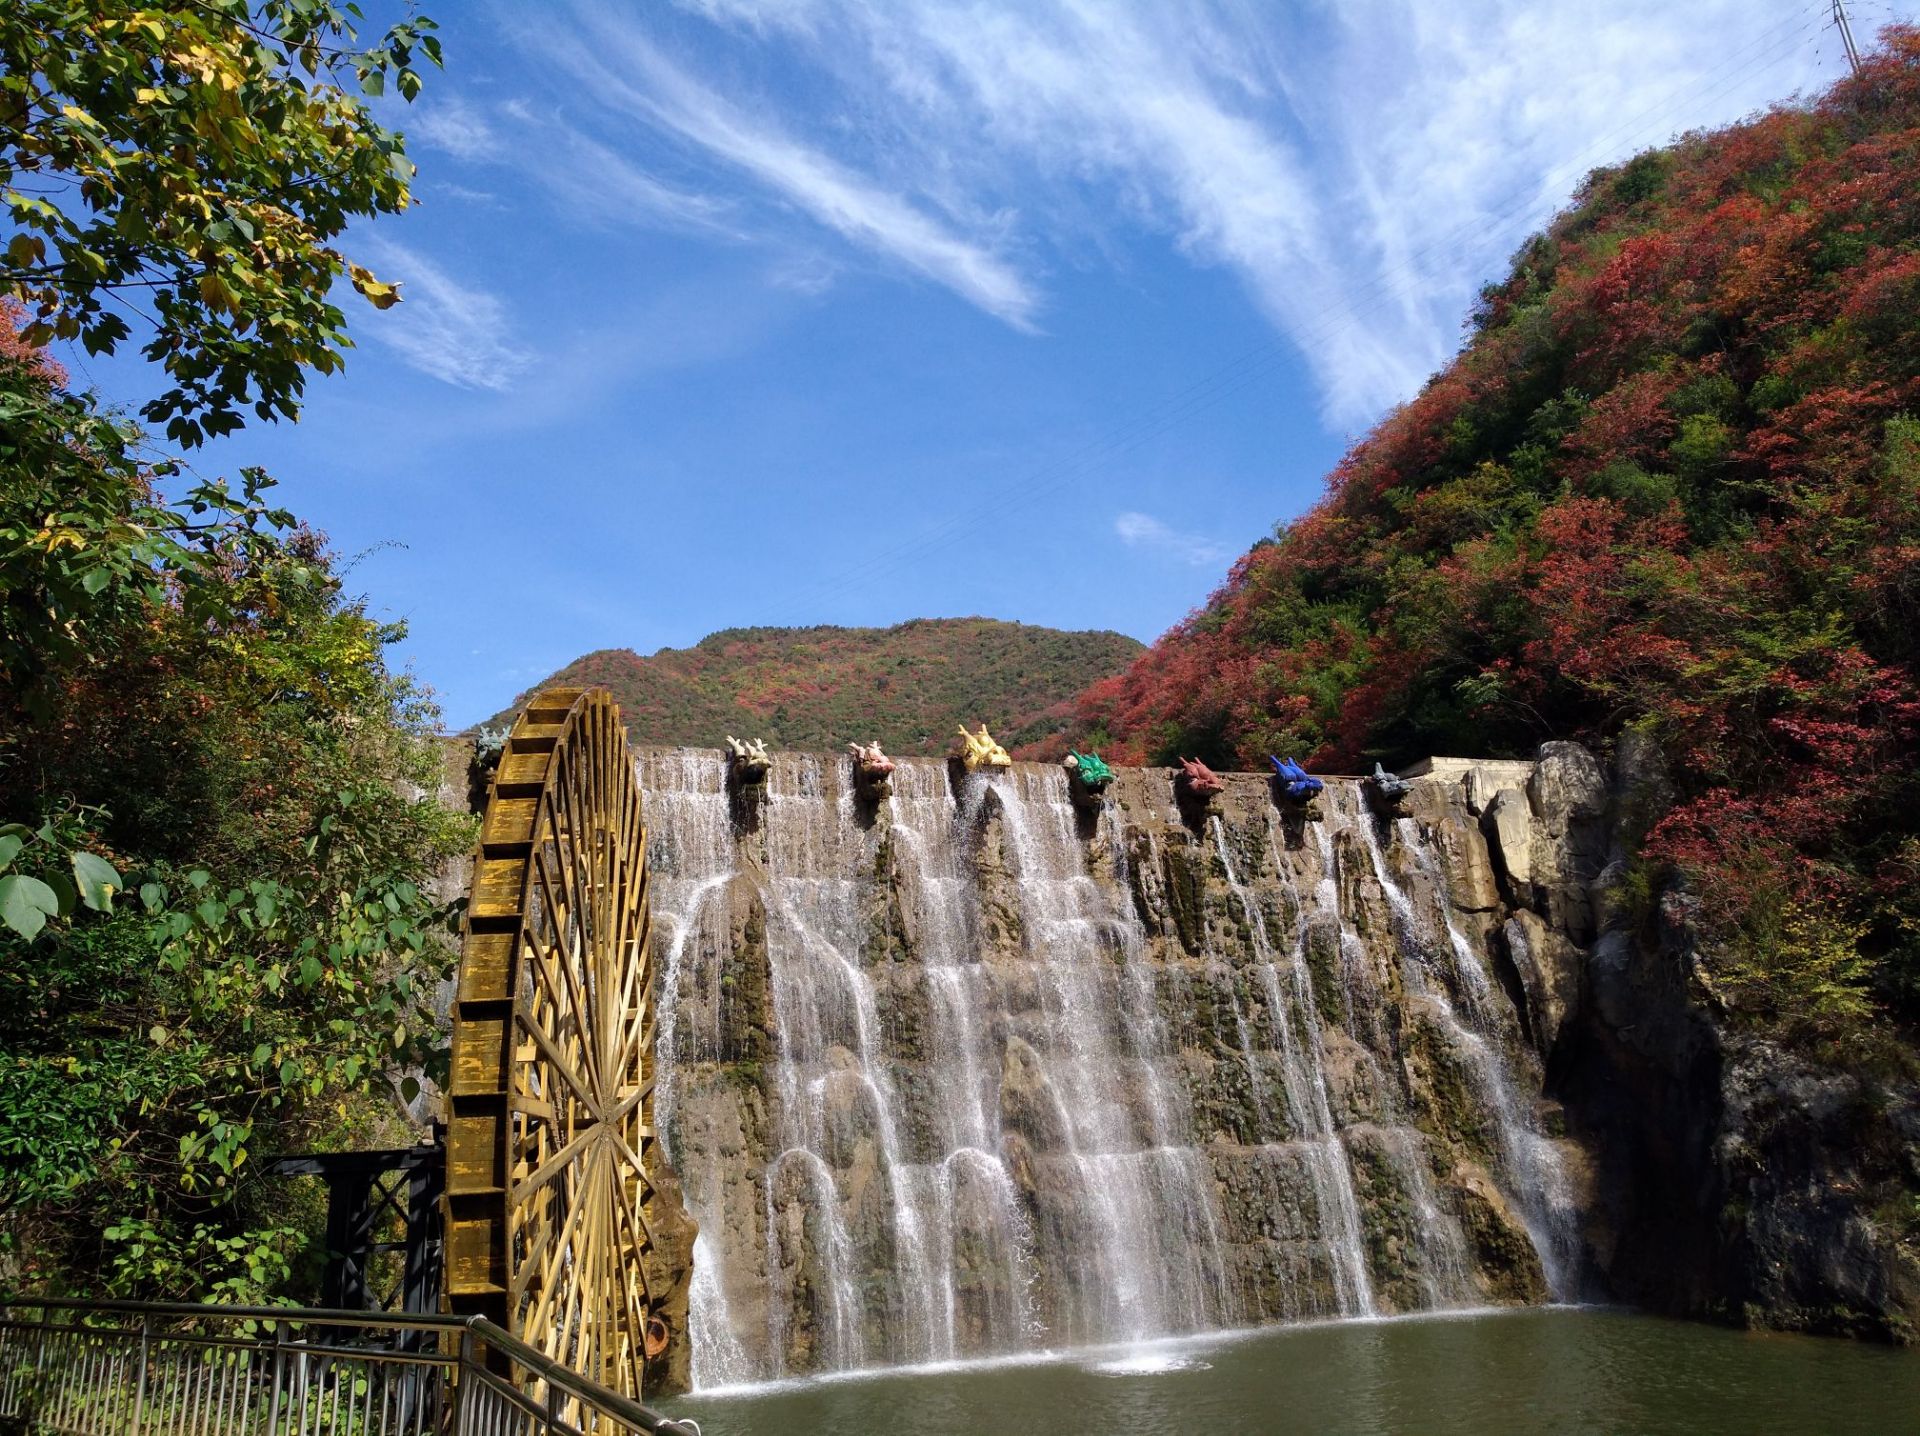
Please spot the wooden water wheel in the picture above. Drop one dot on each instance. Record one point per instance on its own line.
(551, 1124)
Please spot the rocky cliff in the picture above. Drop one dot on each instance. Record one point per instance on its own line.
(977, 1071)
(1735, 1180)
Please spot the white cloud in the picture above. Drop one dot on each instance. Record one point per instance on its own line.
(451, 124)
(595, 183)
(601, 186)
(1362, 167)
(627, 74)
(1144, 531)
(462, 192)
(455, 334)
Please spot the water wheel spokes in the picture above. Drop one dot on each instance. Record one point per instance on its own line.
(551, 1099)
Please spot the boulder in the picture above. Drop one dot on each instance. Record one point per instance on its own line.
(1548, 967)
(1568, 798)
(1508, 821)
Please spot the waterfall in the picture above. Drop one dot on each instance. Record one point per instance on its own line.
(1305, 1083)
(690, 860)
(977, 1073)
(1129, 1197)
(1482, 1037)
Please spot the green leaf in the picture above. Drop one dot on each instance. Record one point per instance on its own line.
(153, 897)
(9, 849)
(26, 904)
(98, 879)
(64, 892)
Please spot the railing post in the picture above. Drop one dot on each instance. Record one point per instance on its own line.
(462, 1378)
(279, 1377)
(553, 1397)
(41, 1387)
(140, 1389)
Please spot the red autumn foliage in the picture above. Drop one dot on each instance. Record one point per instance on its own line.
(1673, 482)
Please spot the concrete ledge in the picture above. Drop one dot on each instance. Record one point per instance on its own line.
(1482, 777)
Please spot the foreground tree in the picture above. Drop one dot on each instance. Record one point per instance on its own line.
(217, 826)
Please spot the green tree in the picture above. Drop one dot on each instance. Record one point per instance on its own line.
(218, 839)
(187, 167)
(218, 836)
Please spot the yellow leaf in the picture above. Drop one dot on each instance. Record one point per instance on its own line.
(383, 296)
(214, 291)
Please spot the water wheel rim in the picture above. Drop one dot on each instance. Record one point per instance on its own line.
(551, 1111)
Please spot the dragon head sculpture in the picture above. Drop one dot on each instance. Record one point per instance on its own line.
(1089, 770)
(1296, 782)
(872, 771)
(748, 762)
(1197, 780)
(1388, 787)
(981, 751)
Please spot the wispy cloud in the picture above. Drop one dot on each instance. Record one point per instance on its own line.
(1362, 168)
(631, 77)
(452, 124)
(1144, 531)
(592, 181)
(458, 335)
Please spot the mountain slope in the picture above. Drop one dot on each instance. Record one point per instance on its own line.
(1671, 483)
(1667, 502)
(908, 686)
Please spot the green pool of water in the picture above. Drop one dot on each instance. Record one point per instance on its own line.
(1493, 1374)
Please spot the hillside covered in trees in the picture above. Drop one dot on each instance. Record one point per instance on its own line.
(1672, 482)
(908, 686)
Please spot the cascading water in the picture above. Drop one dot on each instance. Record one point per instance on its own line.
(1125, 1201)
(1305, 1083)
(1481, 1039)
(977, 1074)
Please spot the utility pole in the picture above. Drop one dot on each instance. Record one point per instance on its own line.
(1846, 33)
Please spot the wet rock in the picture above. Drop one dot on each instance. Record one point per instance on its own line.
(669, 1268)
(950, 1077)
(1506, 1263)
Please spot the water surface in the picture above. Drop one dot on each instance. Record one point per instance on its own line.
(1496, 1374)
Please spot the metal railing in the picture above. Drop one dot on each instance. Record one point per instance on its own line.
(110, 1368)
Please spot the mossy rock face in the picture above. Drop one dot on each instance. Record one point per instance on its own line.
(1326, 973)
(1184, 868)
(1503, 1255)
(1443, 1088)
(1390, 1229)
(886, 933)
(745, 1013)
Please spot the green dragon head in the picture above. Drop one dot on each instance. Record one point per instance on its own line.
(1091, 768)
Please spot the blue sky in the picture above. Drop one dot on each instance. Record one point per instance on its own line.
(851, 311)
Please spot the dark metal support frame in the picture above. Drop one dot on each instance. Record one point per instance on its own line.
(363, 1188)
